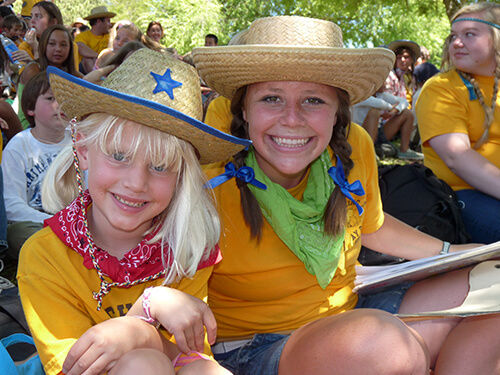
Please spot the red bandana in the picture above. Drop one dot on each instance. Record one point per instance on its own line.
(140, 262)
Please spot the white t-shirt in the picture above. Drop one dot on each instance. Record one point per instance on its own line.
(24, 163)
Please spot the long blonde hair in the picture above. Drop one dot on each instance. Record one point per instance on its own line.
(189, 225)
(488, 12)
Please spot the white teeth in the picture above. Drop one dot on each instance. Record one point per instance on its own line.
(289, 142)
(131, 204)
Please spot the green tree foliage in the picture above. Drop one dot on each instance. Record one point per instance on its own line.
(364, 23)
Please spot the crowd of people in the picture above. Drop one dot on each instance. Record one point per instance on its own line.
(204, 214)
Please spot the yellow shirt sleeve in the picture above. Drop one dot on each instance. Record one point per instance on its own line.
(443, 107)
(219, 114)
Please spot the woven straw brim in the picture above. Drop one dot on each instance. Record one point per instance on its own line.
(100, 15)
(79, 98)
(359, 71)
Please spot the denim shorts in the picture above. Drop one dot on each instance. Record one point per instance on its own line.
(388, 299)
(260, 356)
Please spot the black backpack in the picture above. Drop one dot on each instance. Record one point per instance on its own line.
(413, 194)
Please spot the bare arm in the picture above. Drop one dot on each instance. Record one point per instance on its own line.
(86, 51)
(399, 239)
(465, 162)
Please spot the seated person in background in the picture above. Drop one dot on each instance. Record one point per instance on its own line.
(395, 116)
(12, 28)
(401, 81)
(459, 118)
(155, 31)
(26, 159)
(92, 42)
(43, 15)
(55, 49)
(423, 72)
(211, 40)
(122, 32)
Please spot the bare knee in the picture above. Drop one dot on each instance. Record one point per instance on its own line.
(144, 362)
(353, 343)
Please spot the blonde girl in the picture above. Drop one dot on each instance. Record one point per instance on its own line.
(144, 221)
(459, 118)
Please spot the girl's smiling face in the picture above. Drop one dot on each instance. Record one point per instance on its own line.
(471, 46)
(127, 193)
(290, 125)
(155, 32)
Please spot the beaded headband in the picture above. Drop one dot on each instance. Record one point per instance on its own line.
(476, 20)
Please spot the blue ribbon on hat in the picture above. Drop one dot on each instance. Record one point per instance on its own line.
(244, 173)
(338, 175)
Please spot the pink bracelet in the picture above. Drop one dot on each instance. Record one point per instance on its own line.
(146, 306)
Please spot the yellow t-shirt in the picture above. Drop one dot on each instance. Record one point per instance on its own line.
(444, 107)
(219, 114)
(263, 287)
(95, 42)
(56, 292)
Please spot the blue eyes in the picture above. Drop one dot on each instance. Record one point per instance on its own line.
(121, 157)
(118, 156)
(159, 169)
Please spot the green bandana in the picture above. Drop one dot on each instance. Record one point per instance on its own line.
(300, 224)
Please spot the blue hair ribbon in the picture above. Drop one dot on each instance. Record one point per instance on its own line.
(244, 173)
(338, 175)
(477, 20)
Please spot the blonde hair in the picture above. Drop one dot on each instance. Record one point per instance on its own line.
(488, 12)
(189, 225)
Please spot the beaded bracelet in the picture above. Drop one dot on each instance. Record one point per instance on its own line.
(146, 306)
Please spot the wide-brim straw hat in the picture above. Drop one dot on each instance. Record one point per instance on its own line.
(153, 89)
(410, 45)
(100, 12)
(293, 48)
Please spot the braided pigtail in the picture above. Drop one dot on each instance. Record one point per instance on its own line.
(489, 110)
(336, 209)
(251, 209)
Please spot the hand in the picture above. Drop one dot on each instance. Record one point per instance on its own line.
(184, 316)
(98, 349)
(21, 55)
(96, 76)
(30, 38)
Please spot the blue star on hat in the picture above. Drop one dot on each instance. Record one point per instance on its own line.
(165, 83)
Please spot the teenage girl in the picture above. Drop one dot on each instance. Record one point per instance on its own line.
(459, 118)
(143, 220)
(283, 293)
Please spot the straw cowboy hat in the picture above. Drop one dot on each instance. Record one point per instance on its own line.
(152, 89)
(293, 48)
(410, 45)
(100, 12)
